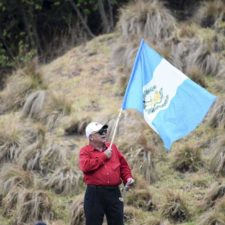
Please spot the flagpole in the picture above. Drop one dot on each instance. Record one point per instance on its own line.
(115, 128)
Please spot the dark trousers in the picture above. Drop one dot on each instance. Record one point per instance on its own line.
(100, 201)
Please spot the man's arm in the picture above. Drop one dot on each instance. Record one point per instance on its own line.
(88, 164)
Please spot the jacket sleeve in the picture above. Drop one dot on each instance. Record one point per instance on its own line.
(88, 164)
(125, 170)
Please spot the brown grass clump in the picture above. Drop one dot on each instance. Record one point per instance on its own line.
(52, 157)
(196, 75)
(146, 20)
(11, 138)
(210, 13)
(174, 208)
(19, 85)
(215, 193)
(123, 56)
(158, 222)
(217, 114)
(143, 161)
(65, 181)
(77, 127)
(47, 107)
(34, 104)
(44, 160)
(9, 201)
(12, 176)
(187, 159)
(77, 208)
(212, 218)
(130, 215)
(32, 206)
(203, 58)
(140, 199)
(217, 164)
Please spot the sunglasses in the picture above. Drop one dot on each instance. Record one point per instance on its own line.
(101, 132)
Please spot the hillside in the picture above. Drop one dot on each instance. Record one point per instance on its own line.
(45, 108)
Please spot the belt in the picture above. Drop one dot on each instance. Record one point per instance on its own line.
(103, 186)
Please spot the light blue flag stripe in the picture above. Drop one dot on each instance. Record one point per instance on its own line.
(141, 74)
(172, 123)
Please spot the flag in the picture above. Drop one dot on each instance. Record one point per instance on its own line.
(171, 103)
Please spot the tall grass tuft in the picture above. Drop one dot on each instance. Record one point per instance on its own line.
(33, 206)
(217, 164)
(19, 86)
(142, 160)
(141, 199)
(210, 13)
(146, 19)
(46, 107)
(77, 217)
(77, 126)
(175, 207)
(217, 114)
(216, 192)
(212, 217)
(12, 176)
(65, 181)
(187, 159)
(11, 138)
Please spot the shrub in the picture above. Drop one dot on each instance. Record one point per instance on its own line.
(174, 208)
(140, 199)
(77, 217)
(65, 181)
(12, 176)
(187, 159)
(215, 193)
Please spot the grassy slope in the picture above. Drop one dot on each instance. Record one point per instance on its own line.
(86, 75)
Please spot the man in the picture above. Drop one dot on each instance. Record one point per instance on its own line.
(104, 170)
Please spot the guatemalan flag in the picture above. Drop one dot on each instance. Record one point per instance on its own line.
(171, 103)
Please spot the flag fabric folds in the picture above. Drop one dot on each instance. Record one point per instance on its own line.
(171, 103)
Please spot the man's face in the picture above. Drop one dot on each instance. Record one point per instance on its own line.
(100, 136)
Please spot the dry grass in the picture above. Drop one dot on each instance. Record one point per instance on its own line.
(65, 181)
(19, 85)
(141, 199)
(77, 127)
(144, 19)
(210, 13)
(34, 104)
(11, 138)
(10, 201)
(217, 164)
(187, 159)
(215, 193)
(217, 114)
(32, 206)
(175, 207)
(212, 218)
(204, 59)
(47, 107)
(196, 75)
(142, 160)
(77, 217)
(12, 176)
(53, 156)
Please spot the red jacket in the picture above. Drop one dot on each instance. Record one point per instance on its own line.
(99, 170)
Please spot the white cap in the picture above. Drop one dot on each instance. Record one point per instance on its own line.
(94, 127)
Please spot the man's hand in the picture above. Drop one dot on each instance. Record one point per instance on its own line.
(108, 153)
(129, 183)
